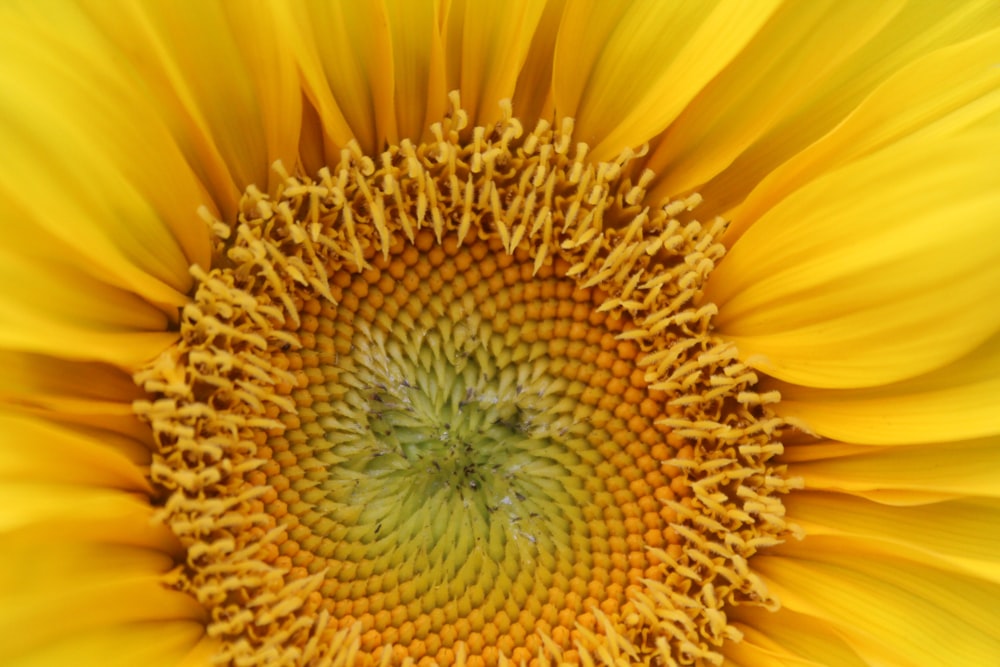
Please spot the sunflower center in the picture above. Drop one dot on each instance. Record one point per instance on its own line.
(460, 404)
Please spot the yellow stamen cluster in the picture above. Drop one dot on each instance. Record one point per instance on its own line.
(460, 404)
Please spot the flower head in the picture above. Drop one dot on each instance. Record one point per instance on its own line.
(533, 333)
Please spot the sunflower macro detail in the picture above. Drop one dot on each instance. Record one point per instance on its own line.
(534, 333)
(459, 399)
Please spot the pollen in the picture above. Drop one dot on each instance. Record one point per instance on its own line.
(461, 403)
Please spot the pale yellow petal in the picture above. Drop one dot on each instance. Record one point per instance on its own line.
(891, 610)
(957, 402)
(626, 71)
(873, 273)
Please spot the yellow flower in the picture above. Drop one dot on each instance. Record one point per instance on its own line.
(441, 333)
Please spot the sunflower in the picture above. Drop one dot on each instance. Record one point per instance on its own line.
(433, 333)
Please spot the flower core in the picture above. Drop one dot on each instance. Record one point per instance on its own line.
(459, 403)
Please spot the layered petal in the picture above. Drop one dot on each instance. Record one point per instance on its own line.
(487, 44)
(94, 396)
(807, 70)
(222, 81)
(344, 51)
(83, 460)
(533, 95)
(938, 94)
(956, 402)
(155, 643)
(106, 239)
(62, 302)
(81, 559)
(784, 64)
(914, 473)
(785, 639)
(892, 606)
(961, 532)
(871, 274)
(626, 70)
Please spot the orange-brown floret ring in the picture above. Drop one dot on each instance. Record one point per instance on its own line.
(460, 404)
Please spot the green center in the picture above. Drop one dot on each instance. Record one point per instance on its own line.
(444, 449)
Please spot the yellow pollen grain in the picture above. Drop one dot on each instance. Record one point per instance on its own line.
(460, 405)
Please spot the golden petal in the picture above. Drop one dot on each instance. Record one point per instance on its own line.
(898, 609)
(957, 402)
(203, 67)
(914, 473)
(866, 276)
(961, 532)
(625, 71)
(938, 94)
(884, 40)
(60, 591)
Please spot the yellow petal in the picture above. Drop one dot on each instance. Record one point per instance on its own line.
(583, 31)
(44, 305)
(84, 394)
(87, 177)
(39, 512)
(936, 95)
(345, 52)
(957, 402)
(82, 460)
(891, 610)
(786, 638)
(821, 94)
(487, 44)
(871, 274)
(232, 113)
(275, 76)
(930, 471)
(626, 73)
(962, 532)
(791, 57)
(149, 644)
(58, 588)
(533, 95)
(46, 381)
(418, 71)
